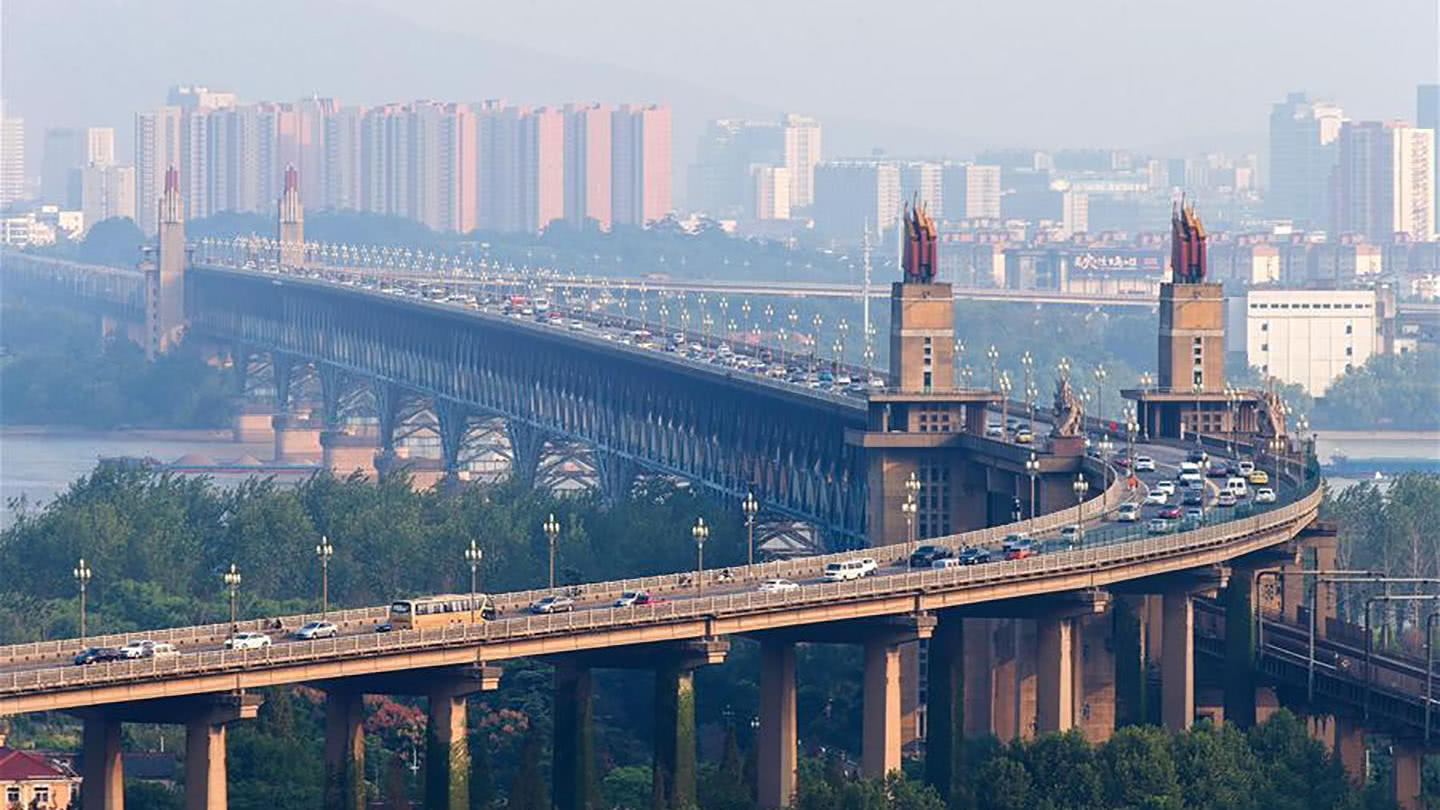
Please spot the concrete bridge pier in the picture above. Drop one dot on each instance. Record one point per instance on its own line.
(776, 758)
(447, 751)
(1060, 665)
(344, 750)
(948, 691)
(573, 779)
(880, 733)
(104, 785)
(675, 741)
(1177, 656)
(1409, 760)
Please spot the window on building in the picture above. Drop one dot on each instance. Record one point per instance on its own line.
(1196, 341)
(927, 380)
(1349, 328)
(1264, 326)
(12, 794)
(41, 796)
(1349, 351)
(1264, 347)
(1199, 377)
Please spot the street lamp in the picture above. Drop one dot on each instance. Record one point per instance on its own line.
(993, 355)
(81, 573)
(232, 581)
(551, 526)
(1080, 487)
(473, 555)
(1146, 380)
(1277, 445)
(911, 507)
(1031, 394)
(1232, 396)
(1130, 430)
(1197, 388)
(751, 507)
(908, 509)
(1032, 466)
(700, 532)
(1100, 376)
(324, 551)
(1005, 399)
(1105, 447)
(1027, 362)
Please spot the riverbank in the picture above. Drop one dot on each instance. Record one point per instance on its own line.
(207, 435)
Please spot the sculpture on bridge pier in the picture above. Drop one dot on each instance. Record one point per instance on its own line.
(1067, 409)
(1270, 419)
(920, 233)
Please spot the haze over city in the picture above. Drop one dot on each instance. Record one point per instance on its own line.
(733, 406)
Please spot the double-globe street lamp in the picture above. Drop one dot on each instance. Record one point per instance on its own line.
(324, 551)
(911, 507)
(81, 573)
(473, 555)
(751, 507)
(701, 533)
(231, 579)
(1032, 467)
(551, 526)
(1080, 487)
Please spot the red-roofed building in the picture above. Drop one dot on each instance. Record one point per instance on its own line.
(29, 779)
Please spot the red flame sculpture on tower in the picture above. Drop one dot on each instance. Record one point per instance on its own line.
(172, 180)
(292, 178)
(919, 259)
(1187, 245)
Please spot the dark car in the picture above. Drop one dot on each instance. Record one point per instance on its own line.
(97, 655)
(1217, 469)
(1197, 455)
(972, 555)
(1194, 497)
(925, 556)
(1170, 512)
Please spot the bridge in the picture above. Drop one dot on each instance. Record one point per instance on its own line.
(834, 459)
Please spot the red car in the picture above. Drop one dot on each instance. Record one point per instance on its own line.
(1170, 513)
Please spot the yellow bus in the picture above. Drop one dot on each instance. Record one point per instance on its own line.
(424, 612)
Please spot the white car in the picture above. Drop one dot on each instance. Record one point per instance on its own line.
(1128, 513)
(577, 326)
(1158, 526)
(161, 649)
(314, 630)
(247, 641)
(1157, 497)
(137, 649)
(778, 585)
(1246, 467)
(1264, 495)
(1144, 464)
(1070, 534)
(947, 562)
(1167, 487)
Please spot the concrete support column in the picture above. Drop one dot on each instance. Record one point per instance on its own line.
(776, 755)
(1095, 677)
(945, 710)
(573, 778)
(205, 765)
(1177, 664)
(344, 751)
(880, 746)
(1350, 748)
(1129, 644)
(1056, 670)
(447, 753)
(1239, 601)
(1409, 760)
(1292, 592)
(104, 785)
(979, 677)
(674, 737)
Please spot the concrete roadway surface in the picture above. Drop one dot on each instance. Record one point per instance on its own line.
(1098, 530)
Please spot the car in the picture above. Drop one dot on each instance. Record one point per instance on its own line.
(1169, 513)
(247, 641)
(1197, 456)
(1192, 481)
(1167, 487)
(948, 562)
(161, 649)
(877, 383)
(1018, 548)
(1236, 486)
(1189, 468)
(1193, 497)
(973, 555)
(384, 627)
(871, 567)
(926, 555)
(1225, 499)
(1024, 436)
(1245, 466)
(552, 604)
(1158, 526)
(1259, 477)
(97, 655)
(843, 570)
(1157, 497)
(319, 629)
(1120, 460)
(1264, 495)
(1128, 512)
(1217, 469)
(577, 326)
(137, 649)
(778, 585)
(995, 432)
(1194, 515)
(1144, 464)
(1012, 422)
(633, 598)
(1070, 534)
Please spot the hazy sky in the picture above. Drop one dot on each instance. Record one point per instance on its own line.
(918, 78)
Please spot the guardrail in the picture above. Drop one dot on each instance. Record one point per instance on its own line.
(728, 605)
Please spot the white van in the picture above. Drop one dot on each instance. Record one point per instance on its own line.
(1189, 467)
(842, 571)
(1246, 467)
(1191, 479)
(1236, 486)
(1128, 513)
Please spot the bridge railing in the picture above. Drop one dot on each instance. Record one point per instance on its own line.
(1084, 560)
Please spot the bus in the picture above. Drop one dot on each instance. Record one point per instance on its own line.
(425, 612)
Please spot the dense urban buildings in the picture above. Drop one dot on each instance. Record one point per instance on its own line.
(1383, 181)
(452, 166)
(1303, 150)
(12, 157)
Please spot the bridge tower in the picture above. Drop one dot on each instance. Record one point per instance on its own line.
(291, 224)
(914, 424)
(165, 274)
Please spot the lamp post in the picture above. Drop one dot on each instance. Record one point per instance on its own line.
(1130, 430)
(473, 555)
(1031, 394)
(908, 510)
(1005, 399)
(912, 504)
(231, 579)
(1080, 487)
(959, 358)
(839, 349)
(782, 336)
(1105, 447)
(815, 322)
(1146, 380)
(1197, 388)
(81, 573)
(551, 526)
(993, 355)
(1100, 376)
(1027, 362)
(751, 507)
(770, 322)
(700, 532)
(324, 551)
(1277, 445)
(1032, 467)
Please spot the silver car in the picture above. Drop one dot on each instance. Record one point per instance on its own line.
(314, 630)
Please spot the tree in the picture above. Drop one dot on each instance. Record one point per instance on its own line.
(115, 241)
(1216, 768)
(1296, 772)
(1139, 771)
(527, 789)
(1003, 784)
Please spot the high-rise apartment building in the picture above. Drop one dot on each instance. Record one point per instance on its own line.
(640, 164)
(802, 152)
(100, 146)
(853, 195)
(1427, 116)
(1303, 151)
(720, 179)
(922, 182)
(542, 169)
(970, 191)
(64, 153)
(191, 96)
(105, 192)
(342, 159)
(770, 192)
(587, 164)
(1383, 182)
(12, 158)
(157, 149)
